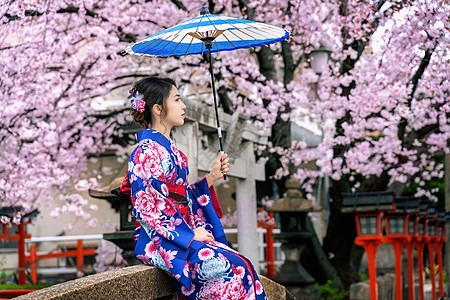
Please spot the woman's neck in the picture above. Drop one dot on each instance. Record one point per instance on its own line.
(164, 130)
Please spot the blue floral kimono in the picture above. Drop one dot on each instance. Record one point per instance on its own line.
(165, 238)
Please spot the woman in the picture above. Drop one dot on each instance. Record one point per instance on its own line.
(180, 230)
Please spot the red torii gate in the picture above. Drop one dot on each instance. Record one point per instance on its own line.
(19, 236)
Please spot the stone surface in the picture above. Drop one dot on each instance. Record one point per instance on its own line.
(275, 291)
(135, 282)
(385, 284)
(360, 291)
(310, 292)
(385, 261)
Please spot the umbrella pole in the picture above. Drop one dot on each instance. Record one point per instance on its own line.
(219, 130)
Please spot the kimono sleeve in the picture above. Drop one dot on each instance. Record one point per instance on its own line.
(150, 196)
(205, 214)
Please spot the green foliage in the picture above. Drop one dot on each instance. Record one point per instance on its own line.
(328, 292)
(363, 277)
(436, 276)
(24, 287)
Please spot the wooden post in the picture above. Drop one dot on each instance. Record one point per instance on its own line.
(33, 264)
(21, 250)
(270, 253)
(441, 266)
(80, 258)
(409, 254)
(398, 249)
(371, 247)
(420, 246)
(430, 245)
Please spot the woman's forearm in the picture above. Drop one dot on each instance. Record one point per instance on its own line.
(210, 180)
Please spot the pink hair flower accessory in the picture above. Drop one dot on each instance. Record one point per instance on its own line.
(137, 102)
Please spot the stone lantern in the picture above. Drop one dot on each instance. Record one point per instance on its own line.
(121, 203)
(293, 210)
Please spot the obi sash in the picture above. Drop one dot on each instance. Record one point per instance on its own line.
(177, 194)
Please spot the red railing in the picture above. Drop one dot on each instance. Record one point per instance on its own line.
(79, 253)
(22, 237)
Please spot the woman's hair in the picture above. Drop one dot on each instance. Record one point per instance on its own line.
(155, 91)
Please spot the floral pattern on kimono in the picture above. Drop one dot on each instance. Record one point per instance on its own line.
(166, 240)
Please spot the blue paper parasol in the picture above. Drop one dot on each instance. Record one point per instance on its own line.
(207, 34)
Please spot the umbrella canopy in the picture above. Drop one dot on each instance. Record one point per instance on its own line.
(208, 33)
(225, 34)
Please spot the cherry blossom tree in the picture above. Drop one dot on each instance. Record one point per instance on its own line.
(381, 102)
(57, 59)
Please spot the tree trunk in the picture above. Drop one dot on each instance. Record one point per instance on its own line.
(316, 262)
(338, 244)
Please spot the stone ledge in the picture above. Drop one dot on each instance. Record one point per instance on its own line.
(135, 282)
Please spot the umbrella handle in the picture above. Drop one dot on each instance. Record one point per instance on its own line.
(224, 174)
(219, 133)
(219, 130)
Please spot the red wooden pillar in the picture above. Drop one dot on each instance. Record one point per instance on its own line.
(270, 252)
(422, 227)
(409, 255)
(430, 245)
(21, 250)
(5, 231)
(410, 242)
(419, 246)
(441, 266)
(80, 259)
(371, 248)
(430, 240)
(440, 240)
(33, 264)
(398, 249)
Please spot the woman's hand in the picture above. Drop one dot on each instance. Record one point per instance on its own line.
(219, 167)
(202, 235)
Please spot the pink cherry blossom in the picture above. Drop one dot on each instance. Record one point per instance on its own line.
(58, 63)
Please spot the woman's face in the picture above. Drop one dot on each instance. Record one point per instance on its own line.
(174, 109)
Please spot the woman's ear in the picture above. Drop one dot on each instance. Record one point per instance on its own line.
(156, 109)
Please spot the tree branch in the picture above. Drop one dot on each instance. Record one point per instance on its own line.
(288, 61)
(414, 82)
(267, 63)
(422, 67)
(243, 5)
(179, 4)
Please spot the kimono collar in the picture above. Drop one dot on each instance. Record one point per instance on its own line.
(155, 136)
